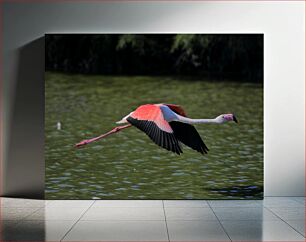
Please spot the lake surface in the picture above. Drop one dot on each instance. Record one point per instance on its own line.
(128, 165)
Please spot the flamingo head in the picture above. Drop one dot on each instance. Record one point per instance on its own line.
(223, 118)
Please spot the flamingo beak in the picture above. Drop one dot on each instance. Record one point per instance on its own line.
(235, 119)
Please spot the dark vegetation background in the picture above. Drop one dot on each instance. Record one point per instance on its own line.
(218, 56)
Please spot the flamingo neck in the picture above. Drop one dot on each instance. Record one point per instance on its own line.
(197, 121)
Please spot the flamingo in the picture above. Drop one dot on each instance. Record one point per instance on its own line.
(167, 125)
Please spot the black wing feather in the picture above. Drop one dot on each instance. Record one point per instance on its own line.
(164, 139)
(188, 135)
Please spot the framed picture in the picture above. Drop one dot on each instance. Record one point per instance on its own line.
(189, 113)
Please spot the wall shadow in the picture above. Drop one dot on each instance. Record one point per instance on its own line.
(25, 167)
(27, 230)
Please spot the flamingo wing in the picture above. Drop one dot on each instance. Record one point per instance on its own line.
(177, 109)
(150, 119)
(188, 135)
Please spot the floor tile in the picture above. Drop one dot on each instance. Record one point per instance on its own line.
(70, 203)
(22, 203)
(124, 214)
(7, 227)
(4, 224)
(185, 203)
(290, 213)
(16, 213)
(127, 203)
(189, 214)
(244, 214)
(261, 231)
(281, 202)
(191, 220)
(235, 203)
(300, 200)
(196, 231)
(39, 230)
(57, 213)
(118, 231)
(298, 225)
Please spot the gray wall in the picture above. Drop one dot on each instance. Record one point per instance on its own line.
(23, 66)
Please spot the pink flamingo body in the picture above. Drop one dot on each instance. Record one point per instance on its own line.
(167, 125)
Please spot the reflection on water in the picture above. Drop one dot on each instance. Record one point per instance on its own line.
(128, 165)
(240, 191)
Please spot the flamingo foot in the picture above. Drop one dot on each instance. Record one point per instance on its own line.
(82, 143)
(114, 130)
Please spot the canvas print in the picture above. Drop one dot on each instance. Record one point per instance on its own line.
(154, 116)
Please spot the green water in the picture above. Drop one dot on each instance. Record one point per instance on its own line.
(128, 165)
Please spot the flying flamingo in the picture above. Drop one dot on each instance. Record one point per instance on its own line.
(167, 125)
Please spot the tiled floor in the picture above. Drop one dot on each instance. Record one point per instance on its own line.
(274, 219)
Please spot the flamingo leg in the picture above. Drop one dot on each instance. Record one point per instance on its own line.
(114, 130)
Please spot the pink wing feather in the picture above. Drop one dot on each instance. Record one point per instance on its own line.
(177, 109)
(151, 112)
(150, 119)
